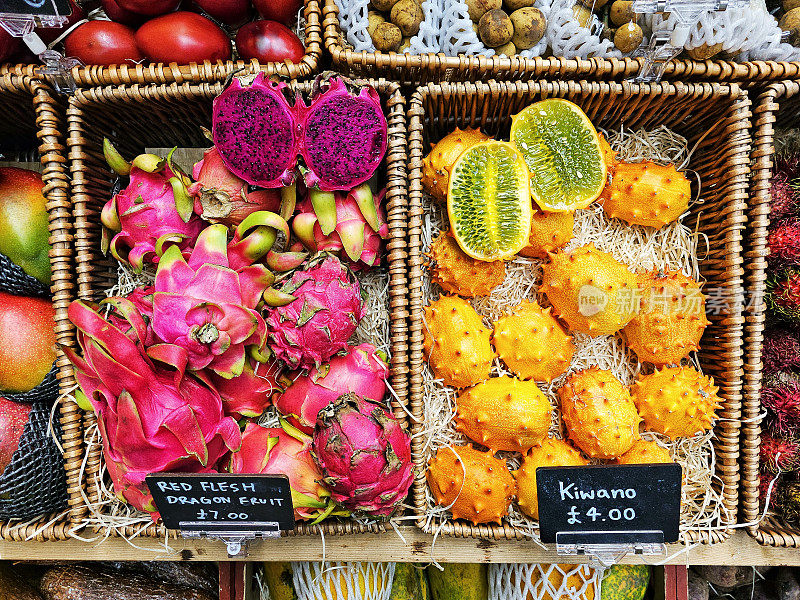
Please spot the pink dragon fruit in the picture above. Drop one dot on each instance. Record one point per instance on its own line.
(222, 197)
(144, 218)
(152, 417)
(205, 309)
(364, 454)
(249, 394)
(342, 135)
(285, 451)
(355, 223)
(324, 309)
(359, 369)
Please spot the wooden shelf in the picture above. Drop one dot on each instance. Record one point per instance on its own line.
(741, 549)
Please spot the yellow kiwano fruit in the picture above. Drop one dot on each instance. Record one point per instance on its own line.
(474, 484)
(489, 203)
(569, 581)
(457, 273)
(503, 413)
(671, 318)
(457, 345)
(599, 413)
(437, 165)
(643, 453)
(590, 289)
(341, 580)
(549, 231)
(532, 343)
(646, 194)
(551, 452)
(563, 152)
(676, 401)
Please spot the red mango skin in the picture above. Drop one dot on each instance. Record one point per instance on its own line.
(282, 11)
(103, 43)
(27, 342)
(230, 12)
(269, 41)
(13, 418)
(120, 15)
(150, 8)
(23, 222)
(183, 37)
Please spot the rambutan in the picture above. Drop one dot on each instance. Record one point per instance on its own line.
(784, 242)
(783, 198)
(783, 295)
(781, 350)
(778, 454)
(788, 499)
(783, 404)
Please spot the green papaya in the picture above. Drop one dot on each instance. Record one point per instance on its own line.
(625, 582)
(410, 583)
(459, 581)
(278, 577)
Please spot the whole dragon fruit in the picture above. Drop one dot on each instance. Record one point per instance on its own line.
(285, 451)
(222, 197)
(342, 135)
(359, 369)
(205, 309)
(364, 454)
(332, 222)
(143, 218)
(152, 417)
(323, 310)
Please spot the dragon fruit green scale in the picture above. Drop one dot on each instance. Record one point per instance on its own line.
(206, 309)
(364, 454)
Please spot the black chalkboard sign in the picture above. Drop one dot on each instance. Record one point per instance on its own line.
(37, 8)
(217, 501)
(604, 501)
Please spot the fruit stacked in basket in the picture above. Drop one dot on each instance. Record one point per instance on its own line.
(234, 295)
(564, 310)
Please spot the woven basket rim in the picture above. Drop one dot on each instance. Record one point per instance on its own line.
(396, 157)
(48, 116)
(772, 531)
(738, 102)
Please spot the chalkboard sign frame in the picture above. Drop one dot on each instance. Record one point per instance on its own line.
(206, 487)
(46, 8)
(649, 501)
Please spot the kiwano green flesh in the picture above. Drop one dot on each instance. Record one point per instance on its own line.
(625, 582)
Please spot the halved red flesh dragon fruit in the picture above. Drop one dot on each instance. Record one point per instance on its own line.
(341, 136)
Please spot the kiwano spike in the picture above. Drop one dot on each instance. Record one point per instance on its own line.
(119, 165)
(366, 203)
(150, 163)
(324, 204)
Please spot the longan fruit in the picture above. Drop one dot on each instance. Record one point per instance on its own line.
(384, 5)
(582, 14)
(529, 27)
(512, 5)
(622, 12)
(495, 28)
(478, 8)
(791, 22)
(508, 49)
(375, 19)
(594, 5)
(628, 37)
(387, 37)
(788, 5)
(407, 15)
(704, 51)
(404, 44)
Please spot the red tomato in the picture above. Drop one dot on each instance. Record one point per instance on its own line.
(27, 342)
(283, 11)
(103, 43)
(183, 37)
(48, 34)
(151, 8)
(269, 41)
(230, 12)
(116, 13)
(8, 45)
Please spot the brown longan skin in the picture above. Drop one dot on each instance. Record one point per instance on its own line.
(495, 28)
(375, 19)
(788, 5)
(594, 5)
(791, 22)
(508, 49)
(622, 12)
(529, 27)
(384, 5)
(387, 37)
(478, 8)
(628, 37)
(704, 51)
(408, 16)
(512, 5)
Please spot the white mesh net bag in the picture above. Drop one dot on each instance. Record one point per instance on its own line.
(354, 20)
(568, 38)
(543, 582)
(342, 580)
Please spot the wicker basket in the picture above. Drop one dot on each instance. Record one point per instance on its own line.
(31, 131)
(95, 75)
(137, 117)
(418, 69)
(714, 116)
(779, 103)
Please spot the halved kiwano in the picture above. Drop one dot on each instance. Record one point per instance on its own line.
(489, 201)
(563, 153)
